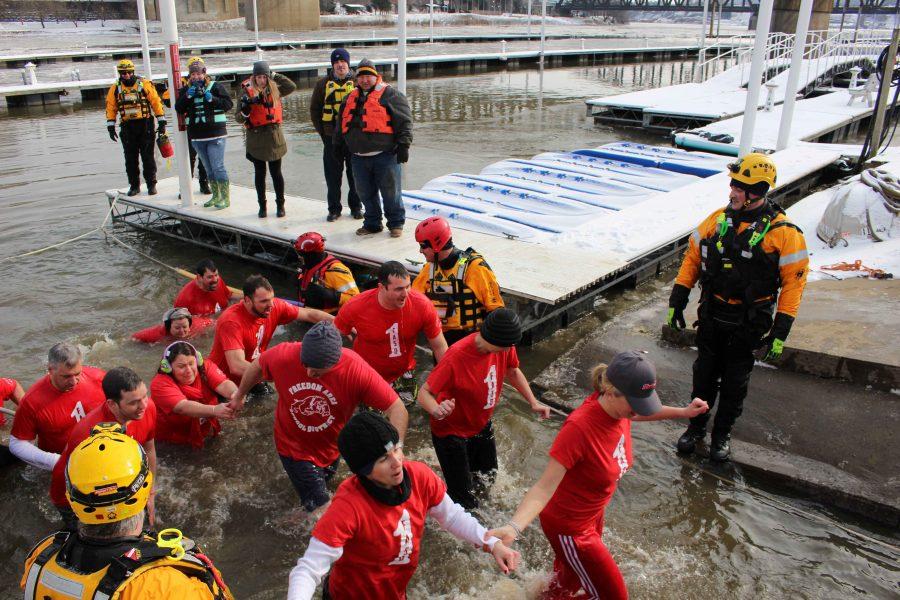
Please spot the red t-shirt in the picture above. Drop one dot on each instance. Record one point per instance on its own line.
(595, 449)
(7, 387)
(182, 429)
(157, 333)
(201, 302)
(142, 430)
(474, 380)
(49, 415)
(237, 329)
(311, 412)
(387, 338)
(380, 542)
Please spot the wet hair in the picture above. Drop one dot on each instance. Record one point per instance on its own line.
(254, 282)
(176, 349)
(205, 265)
(111, 531)
(391, 268)
(600, 382)
(119, 380)
(64, 353)
(176, 314)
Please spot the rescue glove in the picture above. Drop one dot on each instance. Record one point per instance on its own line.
(402, 153)
(774, 342)
(207, 96)
(317, 296)
(245, 105)
(112, 133)
(191, 91)
(160, 127)
(678, 300)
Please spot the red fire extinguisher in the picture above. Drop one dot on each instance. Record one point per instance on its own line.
(165, 146)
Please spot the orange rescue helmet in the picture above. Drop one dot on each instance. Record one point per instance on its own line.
(310, 241)
(434, 231)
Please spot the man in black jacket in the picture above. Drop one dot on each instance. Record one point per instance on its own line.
(324, 110)
(375, 129)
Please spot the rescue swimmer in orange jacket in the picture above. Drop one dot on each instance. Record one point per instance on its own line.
(325, 282)
(108, 483)
(751, 262)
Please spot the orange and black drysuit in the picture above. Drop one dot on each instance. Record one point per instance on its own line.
(135, 106)
(327, 285)
(752, 266)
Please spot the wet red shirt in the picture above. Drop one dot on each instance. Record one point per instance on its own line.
(237, 329)
(7, 387)
(49, 415)
(386, 339)
(474, 380)
(142, 430)
(595, 449)
(182, 429)
(381, 543)
(201, 302)
(157, 333)
(311, 412)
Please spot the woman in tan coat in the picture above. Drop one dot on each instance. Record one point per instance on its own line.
(260, 111)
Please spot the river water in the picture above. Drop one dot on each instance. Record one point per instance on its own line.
(675, 532)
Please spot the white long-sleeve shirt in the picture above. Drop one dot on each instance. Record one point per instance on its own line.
(31, 454)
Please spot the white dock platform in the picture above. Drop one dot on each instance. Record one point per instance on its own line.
(826, 116)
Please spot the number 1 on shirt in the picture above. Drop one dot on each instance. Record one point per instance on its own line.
(393, 333)
(491, 381)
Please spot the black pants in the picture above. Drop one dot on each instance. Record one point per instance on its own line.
(334, 176)
(259, 179)
(201, 174)
(138, 140)
(469, 465)
(724, 361)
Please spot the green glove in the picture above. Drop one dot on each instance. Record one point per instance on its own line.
(675, 318)
(776, 347)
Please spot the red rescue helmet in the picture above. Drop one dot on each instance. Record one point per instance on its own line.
(435, 231)
(310, 242)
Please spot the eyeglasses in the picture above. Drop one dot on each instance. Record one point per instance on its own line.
(424, 245)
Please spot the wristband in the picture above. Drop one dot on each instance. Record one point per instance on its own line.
(515, 527)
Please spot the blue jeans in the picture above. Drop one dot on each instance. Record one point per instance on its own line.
(212, 156)
(374, 174)
(309, 480)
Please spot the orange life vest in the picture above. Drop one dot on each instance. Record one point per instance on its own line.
(371, 116)
(261, 113)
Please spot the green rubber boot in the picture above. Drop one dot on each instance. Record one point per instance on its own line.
(224, 195)
(214, 185)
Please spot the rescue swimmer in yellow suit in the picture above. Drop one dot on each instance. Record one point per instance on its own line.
(751, 262)
(111, 557)
(134, 101)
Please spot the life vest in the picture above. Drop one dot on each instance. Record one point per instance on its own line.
(315, 275)
(334, 94)
(48, 577)
(132, 102)
(450, 294)
(370, 116)
(265, 113)
(202, 112)
(735, 269)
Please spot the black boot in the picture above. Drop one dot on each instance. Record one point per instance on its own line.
(204, 187)
(720, 449)
(134, 190)
(151, 189)
(262, 209)
(279, 207)
(689, 439)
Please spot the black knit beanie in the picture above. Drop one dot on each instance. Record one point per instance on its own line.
(365, 438)
(321, 346)
(502, 328)
(261, 67)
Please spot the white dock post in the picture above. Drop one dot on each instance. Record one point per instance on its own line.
(701, 55)
(401, 46)
(431, 22)
(528, 31)
(790, 92)
(543, 30)
(30, 73)
(256, 32)
(145, 42)
(754, 83)
(173, 65)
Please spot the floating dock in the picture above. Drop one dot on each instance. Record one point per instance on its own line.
(550, 278)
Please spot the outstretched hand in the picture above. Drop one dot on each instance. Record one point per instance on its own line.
(542, 410)
(696, 407)
(505, 534)
(236, 402)
(507, 559)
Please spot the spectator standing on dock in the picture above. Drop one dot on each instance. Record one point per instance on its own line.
(204, 104)
(742, 255)
(385, 323)
(324, 109)
(375, 130)
(325, 282)
(590, 454)
(135, 101)
(201, 171)
(461, 395)
(459, 282)
(245, 329)
(53, 405)
(260, 111)
(320, 385)
(208, 293)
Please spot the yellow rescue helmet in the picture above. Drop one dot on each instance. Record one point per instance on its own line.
(108, 477)
(195, 59)
(124, 65)
(754, 168)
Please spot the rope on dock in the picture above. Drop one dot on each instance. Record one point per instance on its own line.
(69, 241)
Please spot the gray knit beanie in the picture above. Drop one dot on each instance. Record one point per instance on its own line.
(321, 347)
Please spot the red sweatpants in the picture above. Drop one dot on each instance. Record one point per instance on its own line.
(583, 563)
